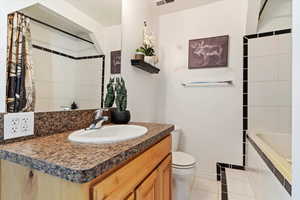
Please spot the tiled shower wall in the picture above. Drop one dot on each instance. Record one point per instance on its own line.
(268, 106)
(269, 75)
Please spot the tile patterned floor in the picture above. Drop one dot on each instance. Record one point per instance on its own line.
(238, 187)
(205, 189)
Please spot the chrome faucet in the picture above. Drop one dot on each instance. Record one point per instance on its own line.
(99, 119)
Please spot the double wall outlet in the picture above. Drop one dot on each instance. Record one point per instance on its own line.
(18, 125)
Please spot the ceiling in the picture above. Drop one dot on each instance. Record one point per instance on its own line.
(106, 12)
(180, 5)
(46, 15)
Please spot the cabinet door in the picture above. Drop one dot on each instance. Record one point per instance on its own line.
(149, 189)
(165, 179)
(131, 197)
(126, 179)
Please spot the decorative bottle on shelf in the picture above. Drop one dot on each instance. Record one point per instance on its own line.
(74, 106)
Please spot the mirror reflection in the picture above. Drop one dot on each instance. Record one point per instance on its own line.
(56, 64)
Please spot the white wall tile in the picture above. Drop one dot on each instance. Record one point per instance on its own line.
(285, 120)
(42, 104)
(283, 93)
(263, 94)
(262, 46)
(263, 68)
(284, 67)
(264, 119)
(284, 42)
(270, 84)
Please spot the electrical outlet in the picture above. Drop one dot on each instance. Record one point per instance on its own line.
(18, 125)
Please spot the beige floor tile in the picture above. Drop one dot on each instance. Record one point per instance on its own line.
(239, 197)
(207, 185)
(203, 195)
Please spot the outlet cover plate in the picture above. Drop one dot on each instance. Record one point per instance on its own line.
(18, 125)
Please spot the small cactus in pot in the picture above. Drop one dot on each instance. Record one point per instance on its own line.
(121, 92)
(119, 115)
(110, 96)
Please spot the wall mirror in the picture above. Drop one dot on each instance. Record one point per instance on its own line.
(53, 63)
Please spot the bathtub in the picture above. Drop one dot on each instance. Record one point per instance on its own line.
(269, 165)
(280, 143)
(278, 148)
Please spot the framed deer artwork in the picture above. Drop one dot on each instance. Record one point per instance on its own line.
(115, 62)
(208, 52)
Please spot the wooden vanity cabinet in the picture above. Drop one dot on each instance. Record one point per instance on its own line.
(131, 197)
(145, 177)
(157, 186)
(165, 179)
(149, 189)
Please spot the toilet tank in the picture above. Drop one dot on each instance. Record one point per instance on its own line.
(175, 138)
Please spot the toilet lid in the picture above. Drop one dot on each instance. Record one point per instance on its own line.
(183, 159)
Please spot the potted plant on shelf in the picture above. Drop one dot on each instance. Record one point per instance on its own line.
(148, 47)
(117, 92)
(139, 54)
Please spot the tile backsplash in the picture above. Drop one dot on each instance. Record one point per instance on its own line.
(47, 123)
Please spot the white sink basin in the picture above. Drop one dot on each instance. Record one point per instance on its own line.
(108, 134)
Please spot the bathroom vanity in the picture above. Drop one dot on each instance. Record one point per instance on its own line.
(53, 168)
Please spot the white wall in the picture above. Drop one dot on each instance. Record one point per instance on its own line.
(211, 117)
(270, 84)
(60, 7)
(73, 14)
(3, 46)
(296, 100)
(277, 15)
(113, 35)
(262, 180)
(254, 7)
(142, 87)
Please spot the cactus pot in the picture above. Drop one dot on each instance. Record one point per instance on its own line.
(120, 117)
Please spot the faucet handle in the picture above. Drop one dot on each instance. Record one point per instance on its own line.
(99, 112)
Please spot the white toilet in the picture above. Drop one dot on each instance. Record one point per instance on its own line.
(183, 167)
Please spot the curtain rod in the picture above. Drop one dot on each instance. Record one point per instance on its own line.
(53, 27)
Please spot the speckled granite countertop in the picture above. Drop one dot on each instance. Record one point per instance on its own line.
(79, 163)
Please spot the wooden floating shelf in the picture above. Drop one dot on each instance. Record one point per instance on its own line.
(145, 66)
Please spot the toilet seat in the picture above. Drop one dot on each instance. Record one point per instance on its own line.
(183, 160)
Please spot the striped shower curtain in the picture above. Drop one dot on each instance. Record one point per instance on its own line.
(20, 86)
